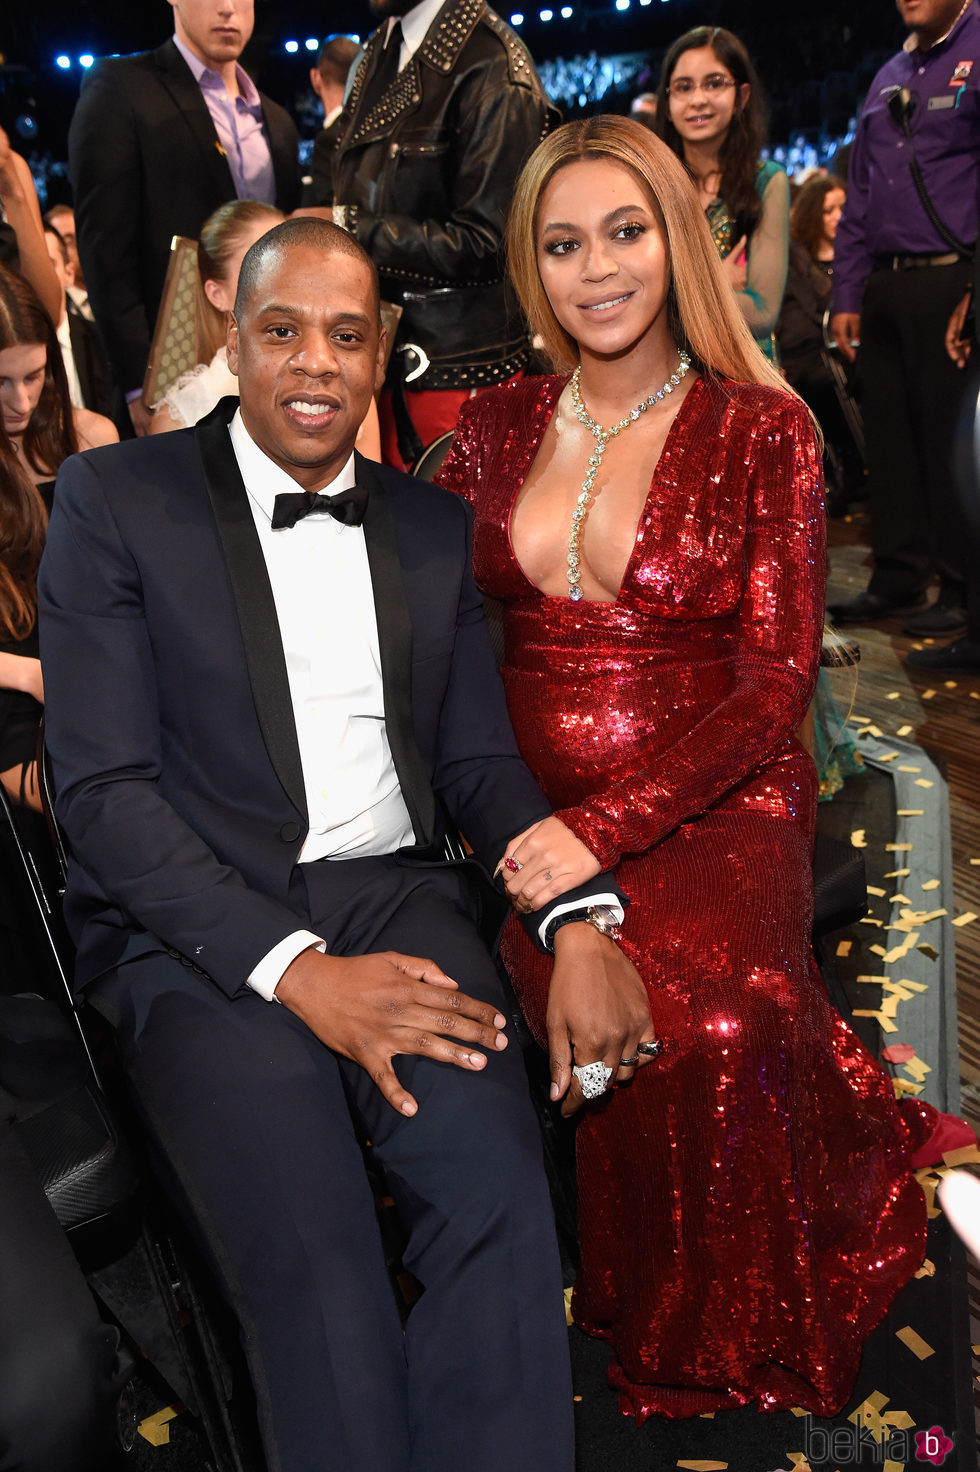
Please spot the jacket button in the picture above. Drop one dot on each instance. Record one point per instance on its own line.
(289, 832)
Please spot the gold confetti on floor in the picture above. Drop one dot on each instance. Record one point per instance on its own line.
(914, 1342)
(155, 1429)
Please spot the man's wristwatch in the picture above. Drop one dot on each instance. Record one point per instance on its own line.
(601, 917)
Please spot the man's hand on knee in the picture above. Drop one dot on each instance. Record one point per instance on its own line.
(371, 1008)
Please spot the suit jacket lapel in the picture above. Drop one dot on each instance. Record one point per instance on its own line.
(254, 602)
(395, 640)
(179, 81)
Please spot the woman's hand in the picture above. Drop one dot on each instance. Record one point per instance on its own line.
(550, 860)
(736, 266)
(598, 1011)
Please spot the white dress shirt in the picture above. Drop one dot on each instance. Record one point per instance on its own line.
(414, 26)
(321, 583)
(68, 357)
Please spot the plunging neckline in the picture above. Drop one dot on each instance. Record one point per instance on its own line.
(679, 420)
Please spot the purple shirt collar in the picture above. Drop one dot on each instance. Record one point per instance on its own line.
(206, 76)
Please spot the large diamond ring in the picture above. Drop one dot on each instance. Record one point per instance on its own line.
(593, 1079)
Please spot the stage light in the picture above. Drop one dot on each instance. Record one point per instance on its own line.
(566, 12)
(292, 47)
(63, 61)
(87, 60)
(517, 19)
(312, 44)
(545, 14)
(622, 4)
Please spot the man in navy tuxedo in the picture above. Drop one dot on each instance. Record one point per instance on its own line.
(259, 720)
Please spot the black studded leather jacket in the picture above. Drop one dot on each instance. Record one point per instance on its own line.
(428, 175)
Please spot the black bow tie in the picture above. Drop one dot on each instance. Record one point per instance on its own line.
(346, 506)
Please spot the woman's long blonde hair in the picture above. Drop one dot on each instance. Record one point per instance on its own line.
(702, 312)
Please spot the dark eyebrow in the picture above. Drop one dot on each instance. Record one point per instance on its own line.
(621, 209)
(279, 309)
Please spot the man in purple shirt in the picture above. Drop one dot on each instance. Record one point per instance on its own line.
(900, 267)
(157, 142)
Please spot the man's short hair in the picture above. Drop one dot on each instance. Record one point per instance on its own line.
(53, 231)
(312, 231)
(334, 60)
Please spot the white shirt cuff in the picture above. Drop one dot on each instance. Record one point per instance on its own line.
(266, 976)
(584, 905)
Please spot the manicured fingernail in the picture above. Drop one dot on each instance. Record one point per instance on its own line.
(478, 1060)
(500, 1041)
(553, 1092)
(408, 1107)
(500, 1020)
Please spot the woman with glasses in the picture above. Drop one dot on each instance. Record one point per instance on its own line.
(710, 112)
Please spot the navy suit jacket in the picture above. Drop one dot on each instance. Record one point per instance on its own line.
(169, 721)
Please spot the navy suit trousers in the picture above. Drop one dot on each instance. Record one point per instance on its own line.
(256, 1126)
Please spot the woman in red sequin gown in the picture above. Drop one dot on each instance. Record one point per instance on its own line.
(746, 1209)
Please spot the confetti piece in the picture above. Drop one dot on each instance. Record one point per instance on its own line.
(916, 986)
(894, 695)
(898, 1052)
(910, 812)
(949, 684)
(887, 756)
(974, 1347)
(877, 951)
(898, 952)
(910, 769)
(706, 1415)
(895, 899)
(882, 1019)
(567, 1295)
(844, 947)
(914, 1342)
(928, 694)
(931, 883)
(927, 1270)
(799, 1411)
(890, 1466)
(870, 920)
(923, 782)
(798, 1462)
(920, 917)
(890, 1005)
(929, 951)
(974, 862)
(902, 1087)
(898, 990)
(898, 873)
(873, 889)
(928, 1183)
(858, 839)
(874, 980)
(898, 848)
(704, 1466)
(154, 1429)
(967, 918)
(904, 731)
(576, 1397)
(965, 1155)
(917, 1069)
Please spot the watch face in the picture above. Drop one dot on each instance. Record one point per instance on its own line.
(604, 918)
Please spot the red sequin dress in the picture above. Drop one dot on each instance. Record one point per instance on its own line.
(746, 1211)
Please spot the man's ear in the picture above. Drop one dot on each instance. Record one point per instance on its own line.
(231, 344)
(379, 375)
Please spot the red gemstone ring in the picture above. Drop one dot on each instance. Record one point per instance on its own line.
(513, 866)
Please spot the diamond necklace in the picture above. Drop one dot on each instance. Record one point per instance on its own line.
(602, 438)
